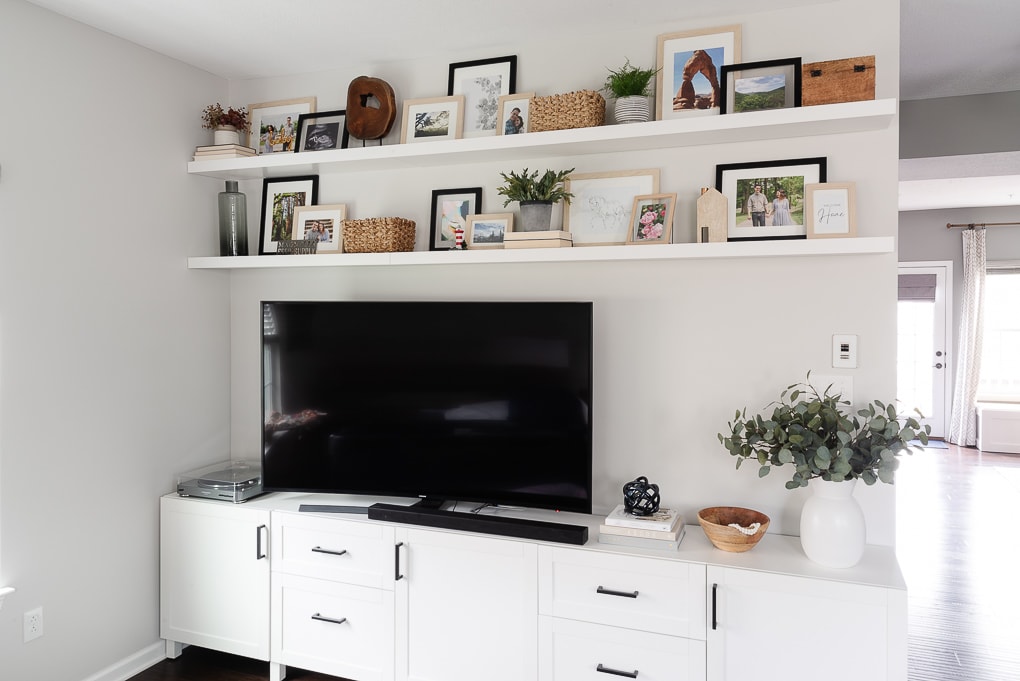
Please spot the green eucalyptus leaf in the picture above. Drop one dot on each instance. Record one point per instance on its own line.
(763, 471)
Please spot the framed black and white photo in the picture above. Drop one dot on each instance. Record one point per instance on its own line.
(281, 196)
(450, 210)
(766, 198)
(488, 231)
(323, 224)
(688, 80)
(432, 119)
(830, 210)
(482, 82)
(274, 124)
(599, 212)
(321, 131)
(761, 85)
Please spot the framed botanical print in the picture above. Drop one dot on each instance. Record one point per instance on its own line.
(689, 78)
(482, 82)
(274, 124)
(281, 196)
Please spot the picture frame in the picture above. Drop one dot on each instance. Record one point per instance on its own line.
(651, 220)
(432, 119)
(280, 196)
(482, 82)
(761, 85)
(831, 209)
(327, 220)
(274, 124)
(507, 103)
(322, 131)
(488, 230)
(678, 96)
(737, 182)
(599, 213)
(451, 207)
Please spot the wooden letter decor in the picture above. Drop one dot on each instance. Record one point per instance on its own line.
(371, 108)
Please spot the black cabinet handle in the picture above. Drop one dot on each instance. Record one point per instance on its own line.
(319, 549)
(331, 620)
(622, 594)
(715, 622)
(616, 672)
(258, 542)
(396, 562)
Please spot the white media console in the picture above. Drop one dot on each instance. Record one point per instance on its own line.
(378, 601)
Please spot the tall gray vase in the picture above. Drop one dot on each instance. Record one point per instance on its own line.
(536, 216)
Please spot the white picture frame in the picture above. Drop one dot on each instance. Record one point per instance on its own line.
(282, 115)
(674, 50)
(830, 209)
(432, 119)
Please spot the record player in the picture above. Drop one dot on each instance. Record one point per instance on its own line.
(234, 481)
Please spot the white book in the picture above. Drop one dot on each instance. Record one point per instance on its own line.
(669, 535)
(643, 542)
(663, 520)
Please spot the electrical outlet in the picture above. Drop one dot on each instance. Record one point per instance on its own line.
(33, 624)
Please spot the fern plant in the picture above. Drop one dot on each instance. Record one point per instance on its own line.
(528, 186)
(628, 81)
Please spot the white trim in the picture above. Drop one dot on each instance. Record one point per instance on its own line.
(132, 664)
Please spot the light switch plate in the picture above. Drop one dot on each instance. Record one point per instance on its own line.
(844, 351)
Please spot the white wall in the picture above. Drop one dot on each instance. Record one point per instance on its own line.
(950, 126)
(114, 358)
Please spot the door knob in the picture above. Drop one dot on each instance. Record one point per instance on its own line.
(939, 365)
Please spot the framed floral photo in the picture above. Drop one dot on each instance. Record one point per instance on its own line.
(482, 82)
(830, 209)
(761, 85)
(321, 131)
(766, 198)
(450, 210)
(274, 124)
(651, 221)
(431, 119)
(487, 231)
(514, 114)
(281, 196)
(599, 212)
(324, 224)
(689, 75)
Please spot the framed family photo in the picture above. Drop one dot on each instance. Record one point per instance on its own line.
(324, 224)
(689, 74)
(830, 210)
(482, 82)
(599, 212)
(281, 197)
(322, 131)
(766, 198)
(488, 231)
(274, 124)
(450, 209)
(514, 114)
(761, 85)
(432, 119)
(651, 221)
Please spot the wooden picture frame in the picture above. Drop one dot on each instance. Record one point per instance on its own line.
(322, 131)
(761, 85)
(327, 220)
(510, 122)
(488, 230)
(274, 124)
(737, 182)
(678, 95)
(280, 196)
(599, 213)
(831, 210)
(482, 82)
(651, 220)
(432, 119)
(451, 207)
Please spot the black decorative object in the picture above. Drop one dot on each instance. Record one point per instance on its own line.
(641, 497)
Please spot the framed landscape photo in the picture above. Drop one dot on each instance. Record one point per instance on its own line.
(487, 231)
(482, 82)
(599, 212)
(321, 131)
(831, 210)
(651, 220)
(324, 224)
(689, 76)
(450, 209)
(761, 85)
(766, 198)
(281, 196)
(274, 124)
(432, 119)
(514, 114)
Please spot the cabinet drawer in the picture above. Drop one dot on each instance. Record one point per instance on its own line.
(352, 552)
(333, 628)
(649, 594)
(579, 651)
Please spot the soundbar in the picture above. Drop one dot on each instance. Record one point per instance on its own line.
(486, 524)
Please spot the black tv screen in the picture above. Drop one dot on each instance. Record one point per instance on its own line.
(470, 401)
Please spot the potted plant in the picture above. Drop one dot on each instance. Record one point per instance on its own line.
(536, 195)
(629, 85)
(227, 125)
(811, 432)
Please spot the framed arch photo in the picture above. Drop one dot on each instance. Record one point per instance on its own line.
(689, 80)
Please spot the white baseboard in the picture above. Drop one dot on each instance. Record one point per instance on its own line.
(132, 664)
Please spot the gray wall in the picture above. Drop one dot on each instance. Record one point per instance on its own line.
(950, 126)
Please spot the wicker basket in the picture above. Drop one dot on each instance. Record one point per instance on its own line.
(716, 520)
(581, 109)
(378, 235)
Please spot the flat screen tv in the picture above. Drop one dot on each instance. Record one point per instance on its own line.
(485, 402)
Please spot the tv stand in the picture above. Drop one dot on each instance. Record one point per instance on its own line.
(428, 516)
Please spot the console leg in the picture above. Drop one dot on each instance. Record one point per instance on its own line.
(174, 649)
(277, 672)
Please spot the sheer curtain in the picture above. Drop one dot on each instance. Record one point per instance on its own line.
(963, 426)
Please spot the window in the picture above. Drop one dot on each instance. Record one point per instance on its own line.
(1000, 354)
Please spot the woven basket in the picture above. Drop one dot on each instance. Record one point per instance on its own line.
(581, 109)
(378, 235)
(715, 521)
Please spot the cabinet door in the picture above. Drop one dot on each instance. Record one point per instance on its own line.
(466, 608)
(763, 625)
(214, 576)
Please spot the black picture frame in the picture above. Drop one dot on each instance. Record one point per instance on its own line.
(474, 80)
(274, 189)
(736, 181)
(469, 200)
(321, 131)
(760, 74)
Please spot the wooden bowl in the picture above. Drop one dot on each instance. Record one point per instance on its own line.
(716, 520)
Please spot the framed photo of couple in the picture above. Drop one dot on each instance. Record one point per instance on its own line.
(767, 198)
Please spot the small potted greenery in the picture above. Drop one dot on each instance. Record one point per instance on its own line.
(536, 195)
(226, 124)
(629, 85)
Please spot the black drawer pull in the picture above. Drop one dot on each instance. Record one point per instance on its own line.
(319, 617)
(319, 549)
(622, 594)
(396, 562)
(616, 672)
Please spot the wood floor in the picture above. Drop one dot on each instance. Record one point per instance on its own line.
(958, 542)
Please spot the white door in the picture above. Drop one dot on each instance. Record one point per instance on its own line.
(924, 368)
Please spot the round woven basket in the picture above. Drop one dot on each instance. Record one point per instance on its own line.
(716, 520)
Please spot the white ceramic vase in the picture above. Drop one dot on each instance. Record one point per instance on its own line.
(832, 529)
(636, 109)
(226, 134)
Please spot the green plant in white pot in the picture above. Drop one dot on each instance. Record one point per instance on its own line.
(536, 195)
(629, 85)
(811, 432)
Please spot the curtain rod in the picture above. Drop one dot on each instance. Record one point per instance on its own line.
(972, 225)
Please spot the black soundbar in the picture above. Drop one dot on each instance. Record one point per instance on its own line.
(485, 524)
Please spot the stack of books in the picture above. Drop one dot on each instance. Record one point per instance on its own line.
(662, 530)
(223, 151)
(548, 239)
